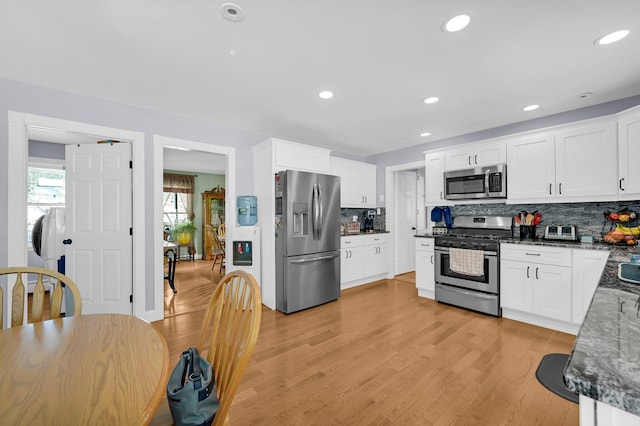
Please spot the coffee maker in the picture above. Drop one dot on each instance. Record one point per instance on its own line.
(368, 220)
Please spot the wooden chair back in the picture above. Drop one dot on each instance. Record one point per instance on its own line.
(229, 333)
(217, 248)
(57, 280)
(222, 231)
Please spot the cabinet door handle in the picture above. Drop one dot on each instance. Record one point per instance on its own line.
(527, 271)
(532, 254)
(550, 188)
(560, 188)
(441, 195)
(537, 274)
(475, 159)
(469, 160)
(432, 259)
(620, 184)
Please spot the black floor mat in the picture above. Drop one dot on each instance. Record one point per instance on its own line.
(549, 374)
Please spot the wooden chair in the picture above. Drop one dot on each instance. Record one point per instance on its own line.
(222, 231)
(229, 333)
(56, 279)
(217, 249)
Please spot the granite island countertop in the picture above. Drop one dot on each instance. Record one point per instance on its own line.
(605, 362)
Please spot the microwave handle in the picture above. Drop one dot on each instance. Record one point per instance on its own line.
(486, 181)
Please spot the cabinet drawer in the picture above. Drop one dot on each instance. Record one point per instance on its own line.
(369, 240)
(544, 255)
(352, 241)
(424, 244)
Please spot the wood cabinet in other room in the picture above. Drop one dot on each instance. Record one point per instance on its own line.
(357, 182)
(425, 267)
(629, 153)
(535, 283)
(476, 155)
(364, 258)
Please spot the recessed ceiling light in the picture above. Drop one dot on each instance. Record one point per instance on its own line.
(530, 107)
(232, 12)
(431, 100)
(425, 134)
(611, 37)
(326, 94)
(456, 23)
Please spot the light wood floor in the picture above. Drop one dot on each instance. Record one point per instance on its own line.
(379, 355)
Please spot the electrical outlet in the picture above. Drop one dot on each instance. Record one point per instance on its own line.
(355, 218)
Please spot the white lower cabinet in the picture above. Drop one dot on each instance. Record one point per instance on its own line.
(425, 267)
(365, 258)
(351, 264)
(596, 413)
(535, 285)
(586, 272)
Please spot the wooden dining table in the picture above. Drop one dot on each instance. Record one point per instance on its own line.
(97, 369)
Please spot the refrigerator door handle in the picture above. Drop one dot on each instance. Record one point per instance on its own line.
(320, 212)
(315, 259)
(317, 212)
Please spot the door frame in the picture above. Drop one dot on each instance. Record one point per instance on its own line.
(16, 244)
(390, 206)
(230, 211)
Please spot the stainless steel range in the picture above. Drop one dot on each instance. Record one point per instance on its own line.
(467, 263)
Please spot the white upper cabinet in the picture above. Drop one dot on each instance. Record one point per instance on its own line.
(357, 182)
(434, 178)
(576, 162)
(629, 153)
(476, 155)
(295, 156)
(531, 167)
(586, 160)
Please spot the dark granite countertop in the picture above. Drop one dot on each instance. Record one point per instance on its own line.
(365, 233)
(605, 361)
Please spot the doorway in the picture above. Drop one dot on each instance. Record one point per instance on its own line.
(63, 131)
(402, 247)
(226, 166)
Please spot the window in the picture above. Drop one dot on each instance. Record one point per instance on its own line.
(45, 188)
(173, 208)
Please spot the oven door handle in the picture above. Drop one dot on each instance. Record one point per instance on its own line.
(446, 250)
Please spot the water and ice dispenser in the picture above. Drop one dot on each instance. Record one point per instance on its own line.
(246, 250)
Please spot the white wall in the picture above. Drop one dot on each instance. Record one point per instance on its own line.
(15, 96)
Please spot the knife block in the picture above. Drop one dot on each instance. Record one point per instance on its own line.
(527, 232)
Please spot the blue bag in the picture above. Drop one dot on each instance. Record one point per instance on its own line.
(191, 391)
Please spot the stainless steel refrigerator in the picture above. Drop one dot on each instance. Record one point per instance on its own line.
(307, 215)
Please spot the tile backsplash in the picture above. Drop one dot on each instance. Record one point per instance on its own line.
(379, 223)
(588, 217)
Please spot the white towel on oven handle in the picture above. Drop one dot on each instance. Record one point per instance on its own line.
(466, 262)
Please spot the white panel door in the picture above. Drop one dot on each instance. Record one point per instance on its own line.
(406, 221)
(98, 225)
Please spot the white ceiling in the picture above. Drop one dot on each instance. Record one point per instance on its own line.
(381, 58)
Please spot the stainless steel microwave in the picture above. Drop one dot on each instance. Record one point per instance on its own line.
(478, 182)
